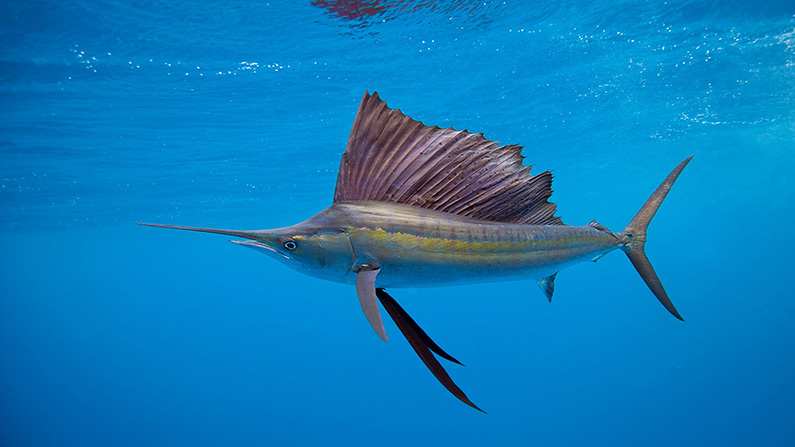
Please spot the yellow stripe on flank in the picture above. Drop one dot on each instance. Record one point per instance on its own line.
(389, 240)
(405, 240)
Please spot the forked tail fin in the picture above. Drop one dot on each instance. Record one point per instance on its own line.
(635, 236)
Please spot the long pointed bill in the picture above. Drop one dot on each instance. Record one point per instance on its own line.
(237, 233)
(260, 239)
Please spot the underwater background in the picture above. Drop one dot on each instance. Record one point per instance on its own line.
(235, 114)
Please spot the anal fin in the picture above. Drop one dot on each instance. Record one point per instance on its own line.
(547, 285)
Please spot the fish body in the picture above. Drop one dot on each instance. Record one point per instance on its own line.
(422, 206)
(416, 247)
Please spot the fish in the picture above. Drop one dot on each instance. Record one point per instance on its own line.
(424, 206)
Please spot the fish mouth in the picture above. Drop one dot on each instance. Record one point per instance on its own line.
(255, 244)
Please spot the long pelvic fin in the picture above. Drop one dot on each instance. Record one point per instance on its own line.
(365, 289)
(635, 233)
(423, 345)
(382, 295)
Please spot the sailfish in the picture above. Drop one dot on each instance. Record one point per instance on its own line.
(423, 206)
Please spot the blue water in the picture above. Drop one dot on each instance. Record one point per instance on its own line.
(234, 115)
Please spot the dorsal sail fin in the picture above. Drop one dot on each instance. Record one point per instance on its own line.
(393, 158)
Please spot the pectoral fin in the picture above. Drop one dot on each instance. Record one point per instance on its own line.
(365, 288)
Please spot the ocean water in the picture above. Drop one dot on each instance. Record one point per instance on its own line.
(235, 114)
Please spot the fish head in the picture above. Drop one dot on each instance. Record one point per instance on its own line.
(310, 250)
(319, 251)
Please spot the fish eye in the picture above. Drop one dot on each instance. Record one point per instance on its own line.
(289, 245)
